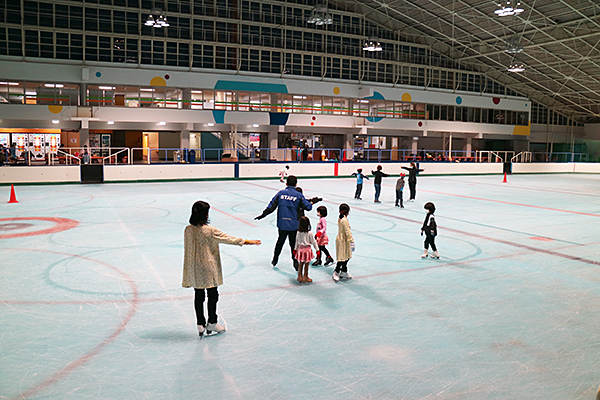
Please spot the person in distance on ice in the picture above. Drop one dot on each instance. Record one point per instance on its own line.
(359, 182)
(283, 173)
(412, 180)
(379, 174)
(287, 203)
(430, 229)
(202, 264)
(400, 190)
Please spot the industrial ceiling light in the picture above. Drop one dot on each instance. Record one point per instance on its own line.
(507, 8)
(513, 45)
(372, 44)
(516, 67)
(320, 16)
(157, 19)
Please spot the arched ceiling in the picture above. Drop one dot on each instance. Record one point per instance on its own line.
(560, 41)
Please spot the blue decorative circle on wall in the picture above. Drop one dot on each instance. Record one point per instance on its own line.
(458, 100)
(98, 74)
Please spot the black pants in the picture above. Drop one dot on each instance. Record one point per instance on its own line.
(399, 197)
(412, 185)
(358, 190)
(213, 298)
(323, 251)
(341, 266)
(291, 236)
(430, 240)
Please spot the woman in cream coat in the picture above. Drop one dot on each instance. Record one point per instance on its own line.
(344, 245)
(202, 264)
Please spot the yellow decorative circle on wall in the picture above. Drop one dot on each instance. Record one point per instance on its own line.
(406, 97)
(336, 90)
(55, 109)
(158, 81)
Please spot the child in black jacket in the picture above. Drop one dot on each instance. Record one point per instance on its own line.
(430, 229)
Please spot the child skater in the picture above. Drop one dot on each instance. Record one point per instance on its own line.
(399, 190)
(322, 238)
(359, 182)
(344, 245)
(379, 174)
(304, 253)
(430, 229)
(202, 264)
(283, 173)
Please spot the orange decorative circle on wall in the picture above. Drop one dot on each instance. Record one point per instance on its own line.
(336, 90)
(55, 109)
(406, 97)
(158, 81)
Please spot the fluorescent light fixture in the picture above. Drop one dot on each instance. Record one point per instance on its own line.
(30, 93)
(316, 105)
(111, 122)
(55, 121)
(211, 124)
(196, 91)
(300, 97)
(58, 85)
(162, 123)
(106, 87)
(9, 83)
(255, 125)
(362, 101)
(146, 90)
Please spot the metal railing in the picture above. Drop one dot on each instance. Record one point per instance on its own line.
(151, 155)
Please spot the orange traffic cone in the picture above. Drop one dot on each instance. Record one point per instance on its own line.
(13, 197)
(504, 181)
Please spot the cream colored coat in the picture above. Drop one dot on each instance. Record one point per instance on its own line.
(202, 259)
(343, 251)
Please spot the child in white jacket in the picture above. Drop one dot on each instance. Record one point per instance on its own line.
(303, 251)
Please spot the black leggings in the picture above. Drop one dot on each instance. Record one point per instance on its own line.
(412, 185)
(324, 251)
(430, 240)
(341, 266)
(213, 298)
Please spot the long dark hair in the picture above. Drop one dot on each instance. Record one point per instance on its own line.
(199, 215)
(344, 210)
(304, 225)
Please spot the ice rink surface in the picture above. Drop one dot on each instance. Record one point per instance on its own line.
(91, 303)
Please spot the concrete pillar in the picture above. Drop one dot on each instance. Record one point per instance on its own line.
(469, 146)
(274, 144)
(348, 146)
(415, 145)
(84, 134)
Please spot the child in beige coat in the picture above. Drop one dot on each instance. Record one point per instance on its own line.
(202, 264)
(344, 245)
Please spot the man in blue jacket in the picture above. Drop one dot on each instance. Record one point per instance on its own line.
(287, 202)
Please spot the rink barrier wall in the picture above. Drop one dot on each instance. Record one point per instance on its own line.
(191, 172)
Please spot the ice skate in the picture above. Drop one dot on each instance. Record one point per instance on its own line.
(317, 263)
(200, 330)
(329, 261)
(425, 254)
(306, 279)
(345, 275)
(435, 255)
(214, 329)
(336, 276)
